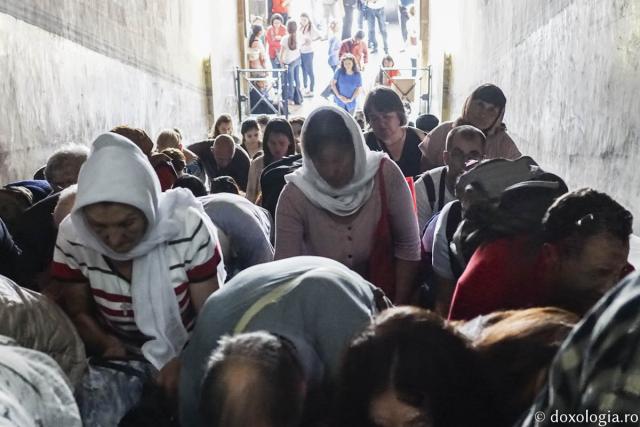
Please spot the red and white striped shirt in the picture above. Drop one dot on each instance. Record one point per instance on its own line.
(193, 256)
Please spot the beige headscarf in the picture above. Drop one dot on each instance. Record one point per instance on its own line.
(495, 97)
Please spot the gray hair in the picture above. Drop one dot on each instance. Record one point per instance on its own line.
(64, 156)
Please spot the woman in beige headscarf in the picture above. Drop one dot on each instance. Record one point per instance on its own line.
(483, 109)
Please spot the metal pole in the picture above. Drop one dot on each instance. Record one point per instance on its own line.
(238, 95)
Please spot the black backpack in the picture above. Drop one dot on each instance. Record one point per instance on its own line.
(519, 211)
(272, 180)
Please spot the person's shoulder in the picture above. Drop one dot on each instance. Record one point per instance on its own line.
(442, 128)
(258, 162)
(418, 133)
(372, 141)
(436, 171)
(198, 148)
(390, 169)
(241, 154)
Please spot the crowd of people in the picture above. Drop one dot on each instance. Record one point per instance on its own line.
(324, 270)
(292, 45)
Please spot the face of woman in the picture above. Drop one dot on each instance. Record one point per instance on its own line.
(278, 145)
(384, 125)
(252, 137)
(304, 20)
(482, 114)
(225, 128)
(277, 23)
(386, 410)
(335, 164)
(387, 64)
(119, 226)
(348, 64)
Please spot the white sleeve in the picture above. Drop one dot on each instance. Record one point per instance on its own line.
(440, 256)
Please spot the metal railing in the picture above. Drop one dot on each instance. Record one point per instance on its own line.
(260, 91)
(408, 86)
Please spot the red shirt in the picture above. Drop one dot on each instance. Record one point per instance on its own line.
(357, 49)
(273, 38)
(501, 275)
(280, 6)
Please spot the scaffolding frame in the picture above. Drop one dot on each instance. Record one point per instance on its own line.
(417, 74)
(247, 80)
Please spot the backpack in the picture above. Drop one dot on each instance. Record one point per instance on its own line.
(429, 186)
(272, 180)
(506, 198)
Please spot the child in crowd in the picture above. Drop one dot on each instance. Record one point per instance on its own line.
(386, 75)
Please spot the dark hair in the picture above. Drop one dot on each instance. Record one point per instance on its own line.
(306, 28)
(356, 68)
(224, 184)
(296, 120)
(359, 35)
(387, 58)
(426, 363)
(136, 135)
(517, 346)
(248, 125)
(272, 392)
(178, 159)
(276, 16)
(384, 100)
(292, 29)
(192, 183)
(223, 118)
(519, 212)
(583, 213)
(255, 30)
(262, 119)
(467, 132)
(277, 125)
(490, 93)
(427, 122)
(325, 127)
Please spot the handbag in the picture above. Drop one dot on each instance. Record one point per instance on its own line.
(382, 272)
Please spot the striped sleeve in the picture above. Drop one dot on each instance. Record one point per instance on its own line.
(199, 249)
(66, 264)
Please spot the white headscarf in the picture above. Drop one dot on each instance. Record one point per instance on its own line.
(117, 171)
(348, 199)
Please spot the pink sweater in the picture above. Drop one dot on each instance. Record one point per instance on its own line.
(304, 229)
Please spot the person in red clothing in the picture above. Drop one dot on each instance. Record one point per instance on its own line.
(280, 7)
(275, 32)
(161, 163)
(357, 47)
(579, 255)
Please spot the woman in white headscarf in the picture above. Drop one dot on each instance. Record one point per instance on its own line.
(344, 201)
(134, 265)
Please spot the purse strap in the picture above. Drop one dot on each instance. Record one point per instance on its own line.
(271, 297)
(383, 190)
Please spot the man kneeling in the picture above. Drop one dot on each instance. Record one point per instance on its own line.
(269, 342)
